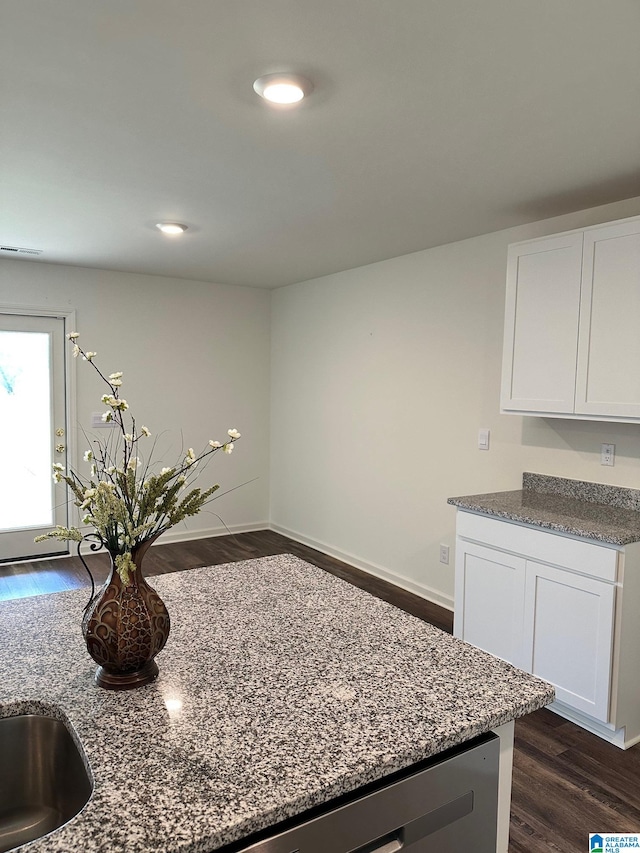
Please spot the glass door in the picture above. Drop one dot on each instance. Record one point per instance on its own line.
(33, 434)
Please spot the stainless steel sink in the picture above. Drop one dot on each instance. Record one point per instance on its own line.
(43, 779)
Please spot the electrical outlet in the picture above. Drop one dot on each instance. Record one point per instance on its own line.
(607, 454)
(444, 554)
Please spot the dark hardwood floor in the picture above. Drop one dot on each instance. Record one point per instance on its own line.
(566, 782)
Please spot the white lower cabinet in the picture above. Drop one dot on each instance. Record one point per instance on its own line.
(568, 636)
(554, 606)
(492, 606)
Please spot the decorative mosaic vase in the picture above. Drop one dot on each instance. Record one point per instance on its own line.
(125, 626)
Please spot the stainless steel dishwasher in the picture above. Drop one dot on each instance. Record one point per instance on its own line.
(447, 804)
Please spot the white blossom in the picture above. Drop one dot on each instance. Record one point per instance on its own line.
(106, 417)
(88, 455)
(89, 356)
(233, 433)
(128, 436)
(116, 382)
(72, 336)
(145, 431)
(133, 463)
(228, 448)
(112, 401)
(215, 444)
(89, 494)
(117, 375)
(76, 350)
(165, 471)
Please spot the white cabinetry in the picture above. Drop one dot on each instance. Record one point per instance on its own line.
(572, 312)
(568, 631)
(541, 324)
(554, 606)
(608, 376)
(492, 605)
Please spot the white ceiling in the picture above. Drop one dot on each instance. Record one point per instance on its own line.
(431, 121)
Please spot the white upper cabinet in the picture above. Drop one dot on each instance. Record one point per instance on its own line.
(571, 345)
(608, 379)
(541, 326)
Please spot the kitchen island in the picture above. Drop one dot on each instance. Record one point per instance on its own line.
(281, 688)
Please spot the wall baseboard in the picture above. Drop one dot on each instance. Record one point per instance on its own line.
(188, 535)
(372, 568)
(166, 539)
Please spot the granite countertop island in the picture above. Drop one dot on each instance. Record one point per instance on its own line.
(605, 513)
(281, 687)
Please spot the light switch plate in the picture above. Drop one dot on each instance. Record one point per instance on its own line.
(98, 423)
(483, 439)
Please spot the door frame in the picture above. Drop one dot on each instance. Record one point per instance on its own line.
(68, 316)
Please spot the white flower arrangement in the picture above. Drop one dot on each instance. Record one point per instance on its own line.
(122, 499)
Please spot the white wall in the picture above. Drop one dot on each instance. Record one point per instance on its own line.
(381, 378)
(195, 358)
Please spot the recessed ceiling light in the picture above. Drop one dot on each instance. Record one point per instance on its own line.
(171, 227)
(283, 89)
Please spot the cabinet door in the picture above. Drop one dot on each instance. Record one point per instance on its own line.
(541, 324)
(489, 600)
(568, 635)
(608, 377)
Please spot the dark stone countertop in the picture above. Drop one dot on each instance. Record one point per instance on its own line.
(609, 514)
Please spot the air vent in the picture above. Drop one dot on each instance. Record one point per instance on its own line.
(18, 250)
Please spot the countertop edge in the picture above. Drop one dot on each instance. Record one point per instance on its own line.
(542, 524)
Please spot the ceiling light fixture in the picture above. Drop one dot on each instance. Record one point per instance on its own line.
(171, 227)
(283, 89)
